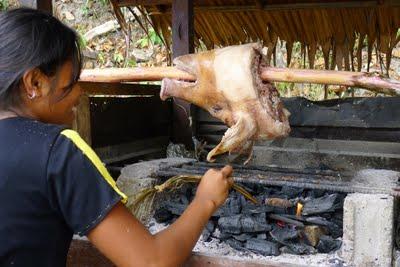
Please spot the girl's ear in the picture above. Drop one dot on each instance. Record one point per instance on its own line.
(35, 84)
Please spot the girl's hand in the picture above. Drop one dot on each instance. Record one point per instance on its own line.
(214, 186)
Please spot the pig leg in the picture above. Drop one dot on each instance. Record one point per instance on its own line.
(236, 136)
(246, 150)
(249, 152)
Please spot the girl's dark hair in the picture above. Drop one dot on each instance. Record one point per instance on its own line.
(31, 39)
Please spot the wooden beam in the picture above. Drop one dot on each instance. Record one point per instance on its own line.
(199, 6)
(137, 74)
(118, 89)
(182, 43)
(143, 2)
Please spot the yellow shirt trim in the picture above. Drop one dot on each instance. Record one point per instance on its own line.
(92, 156)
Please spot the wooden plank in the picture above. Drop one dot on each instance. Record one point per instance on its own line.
(182, 43)
(119, 89)
(127, 151)
(201, 260)
(82, 123)
(124, 120)
(83, 253)
(376, 112)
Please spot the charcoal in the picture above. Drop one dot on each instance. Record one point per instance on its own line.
(206, 235)
(320, 205)
(184, 199)
(291, 192)
(299, 249)
(283, 234)
(327, 244)
(317, 220)
(210, 226)
(230, 224)
(335, 230)
(231, 207)
(279, 210)
(242, 237)
(255, 188)
(263, 247)
(316, 193)
(255, 223)
(163, 215)
(175, 208)
(235, 244)
(243, 201)
(286, 219)
(244, 223)
(221, 235)
(262, 236)
(286, 250)
(250, 208)
(338, 219)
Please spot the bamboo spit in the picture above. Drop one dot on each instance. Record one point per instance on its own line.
(369, 81)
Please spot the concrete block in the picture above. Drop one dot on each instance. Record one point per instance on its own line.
(396, 258)
(138, 176)
(368, 230)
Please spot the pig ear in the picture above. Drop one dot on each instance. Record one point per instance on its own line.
(188, 63)
(236, 136)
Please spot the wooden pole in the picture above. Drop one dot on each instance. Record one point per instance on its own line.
(369, 81)
(182, 44)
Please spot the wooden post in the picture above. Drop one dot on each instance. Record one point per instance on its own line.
(82, 122)
(182, 43)
(45, 5)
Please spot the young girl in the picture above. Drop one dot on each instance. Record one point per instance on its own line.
(52, 184)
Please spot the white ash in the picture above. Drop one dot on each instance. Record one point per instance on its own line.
(216, 247)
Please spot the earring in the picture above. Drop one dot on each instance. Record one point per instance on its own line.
(32, 96)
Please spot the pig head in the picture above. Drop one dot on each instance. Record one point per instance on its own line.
(228, 85)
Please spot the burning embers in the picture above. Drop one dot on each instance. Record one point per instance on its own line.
(290, 220)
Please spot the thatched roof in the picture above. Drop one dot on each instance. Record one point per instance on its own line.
(340, 32)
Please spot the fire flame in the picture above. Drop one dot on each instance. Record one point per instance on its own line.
(299, 209)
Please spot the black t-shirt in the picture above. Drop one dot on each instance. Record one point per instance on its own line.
(52, 185)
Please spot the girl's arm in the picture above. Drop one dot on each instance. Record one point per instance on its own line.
(126, 242)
